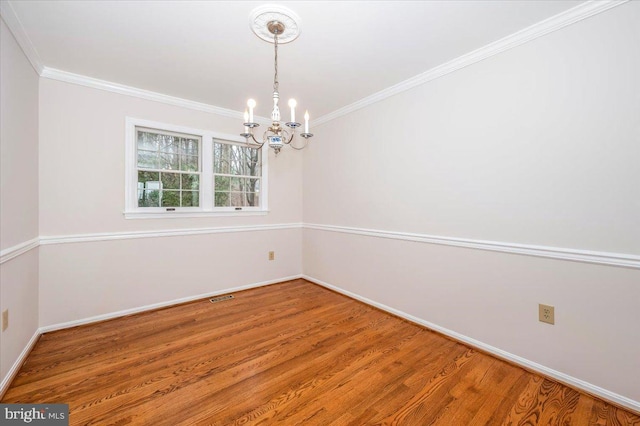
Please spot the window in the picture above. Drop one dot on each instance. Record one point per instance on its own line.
(168, 169)
(236, 171)
(181, 172)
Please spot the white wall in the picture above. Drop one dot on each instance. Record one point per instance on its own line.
(82, 148)
(84, 280)
(538, 145)
(18, 197)
(82, 169)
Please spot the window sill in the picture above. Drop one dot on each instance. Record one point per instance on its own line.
(180, 215)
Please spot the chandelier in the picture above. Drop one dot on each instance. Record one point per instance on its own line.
(275, 24)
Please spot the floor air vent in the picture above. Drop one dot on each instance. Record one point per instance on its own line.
(221, 298)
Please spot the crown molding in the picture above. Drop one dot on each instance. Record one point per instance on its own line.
(584, 256)
(561, 20)
(15, 26)
(525, 35)
(94, 83)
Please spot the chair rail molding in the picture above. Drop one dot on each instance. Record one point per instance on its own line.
(15, 251)
(585, 256)
(107, 236)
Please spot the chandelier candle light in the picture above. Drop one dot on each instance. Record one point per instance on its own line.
(275, 24)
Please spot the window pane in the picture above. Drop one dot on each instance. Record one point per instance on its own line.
(168, 155)
(170, 180)
(147, 141)
(190, 199)
(222, 199)
(243, 161)
(236, 183)
(252, 159)
(252, 199)
(148, 189)
(237, 160)
(236, 199)
(147, 159)
(217, 159)
(169, 144)
(190, 182)
(189, 163)
(150, 198)
(147, 178)
(168, 161)
(221, 152)
(189, 146)
(170, 198)
(253, 185)
(222, 183)
(167, 152)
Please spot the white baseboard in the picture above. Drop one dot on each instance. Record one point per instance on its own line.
(530, 365)
(573, 382)
(6, 381)
(111, 315)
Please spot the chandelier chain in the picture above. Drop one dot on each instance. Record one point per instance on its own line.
(275, 76)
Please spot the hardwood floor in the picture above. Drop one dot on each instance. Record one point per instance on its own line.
(290, 353)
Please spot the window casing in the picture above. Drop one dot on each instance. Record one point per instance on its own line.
(174, 171)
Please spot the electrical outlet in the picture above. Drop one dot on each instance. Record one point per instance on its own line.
(272, 255)
(5, 319)
(546, 314)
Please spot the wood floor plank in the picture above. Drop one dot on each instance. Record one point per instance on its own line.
(504, 395)
(351, 383)
(415, 409)
(289, 353)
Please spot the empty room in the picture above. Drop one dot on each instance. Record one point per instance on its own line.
(320, 212)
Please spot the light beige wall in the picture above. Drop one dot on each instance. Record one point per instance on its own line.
(82, 146)
(19, 294)
(18, 197)
(536, 145)
(493, 298)
(19, 167)
(84, 280)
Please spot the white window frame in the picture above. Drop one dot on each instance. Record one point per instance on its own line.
(206, 208)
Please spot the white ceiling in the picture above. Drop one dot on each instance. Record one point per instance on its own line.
(205, 51)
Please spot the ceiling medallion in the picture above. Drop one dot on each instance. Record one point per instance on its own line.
(261, 16)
